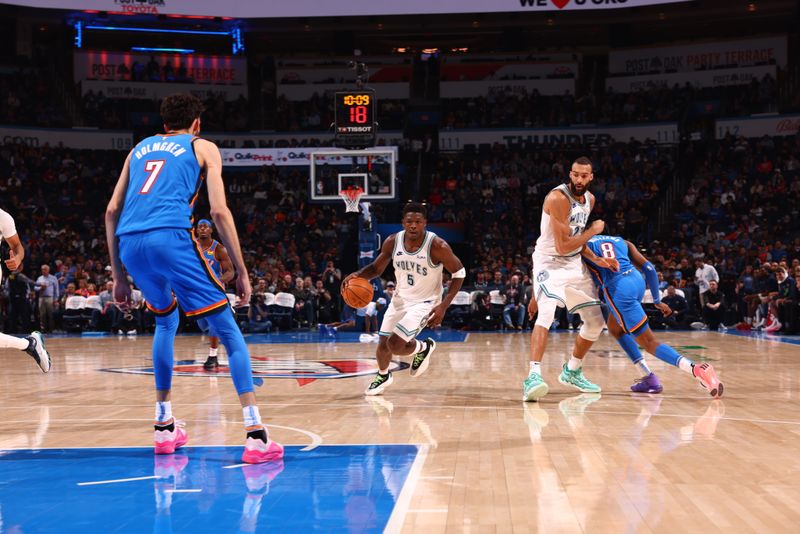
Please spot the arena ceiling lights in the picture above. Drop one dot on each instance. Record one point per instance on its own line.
(315, 8)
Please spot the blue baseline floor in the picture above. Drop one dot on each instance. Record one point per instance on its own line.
(331, 488)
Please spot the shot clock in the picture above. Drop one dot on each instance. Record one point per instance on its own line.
(355, 117)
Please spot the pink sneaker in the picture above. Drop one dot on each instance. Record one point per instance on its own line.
(708, 378)
(257, 451)
(167, 440)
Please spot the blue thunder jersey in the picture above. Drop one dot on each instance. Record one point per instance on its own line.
(609, 247)
(210, 257)
(164, 179)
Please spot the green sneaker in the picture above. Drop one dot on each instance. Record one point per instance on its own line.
(577, 380)
(534, 388)
(379, 383)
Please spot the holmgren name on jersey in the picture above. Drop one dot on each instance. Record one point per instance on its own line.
(160, 146)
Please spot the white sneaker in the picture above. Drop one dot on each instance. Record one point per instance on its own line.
(38, 352)
(697, 325)
(131, 332)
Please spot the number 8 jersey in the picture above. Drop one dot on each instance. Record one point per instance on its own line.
(610, 247)
(418, 279)
(164, 179)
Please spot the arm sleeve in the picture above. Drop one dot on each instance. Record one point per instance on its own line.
(651, 277)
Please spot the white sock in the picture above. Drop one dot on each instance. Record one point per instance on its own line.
(536, 367)
(213, 352)
(163, 411)
(685, 364)
(13, 342)
(574, 363)
(383, 371)
(251, 416)
(643, 368)
(421, 345)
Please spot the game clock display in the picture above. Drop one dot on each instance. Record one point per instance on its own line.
(355, 112)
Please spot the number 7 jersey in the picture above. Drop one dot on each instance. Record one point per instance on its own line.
(163, 183)
(418, 279)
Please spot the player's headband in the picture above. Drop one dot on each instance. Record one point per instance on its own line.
(205, 221)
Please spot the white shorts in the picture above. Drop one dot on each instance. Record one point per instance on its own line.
(406, 318)
(565, 280)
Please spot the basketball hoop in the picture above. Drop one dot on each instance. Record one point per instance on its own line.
(351, 196)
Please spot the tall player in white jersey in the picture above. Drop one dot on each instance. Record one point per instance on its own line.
(32, 344)
(560, 278)
(418, 257)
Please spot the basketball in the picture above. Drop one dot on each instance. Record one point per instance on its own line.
(357, 292)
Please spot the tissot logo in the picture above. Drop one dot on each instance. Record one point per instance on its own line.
(304, 371)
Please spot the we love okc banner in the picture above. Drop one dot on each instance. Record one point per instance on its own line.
(340, 8)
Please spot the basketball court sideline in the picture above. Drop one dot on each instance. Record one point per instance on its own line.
(452, 450)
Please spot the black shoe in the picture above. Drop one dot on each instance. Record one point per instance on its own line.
(211, 364)
(422, 359)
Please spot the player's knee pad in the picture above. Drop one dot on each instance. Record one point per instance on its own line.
(547, 312)
(593, 323)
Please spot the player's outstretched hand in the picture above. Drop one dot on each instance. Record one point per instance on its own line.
(533, 308)
(663, 308)
(597, 227)
(437, 316)
(122, 294)
(243, 289)
(12, 262)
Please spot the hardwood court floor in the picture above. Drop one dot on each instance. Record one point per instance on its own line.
(617, 462)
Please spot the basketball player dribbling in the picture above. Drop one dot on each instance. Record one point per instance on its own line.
(418, 257)
(561, 279)
(217, 258)
(148, 229)
(32, 344)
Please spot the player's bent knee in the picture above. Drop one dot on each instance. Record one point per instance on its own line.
(547, 313)
(169, 322)
(592, 323)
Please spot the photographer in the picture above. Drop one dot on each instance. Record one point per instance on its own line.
(257, 316)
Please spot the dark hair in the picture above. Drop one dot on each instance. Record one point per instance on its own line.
(415, 207)
(583, 160)
(178, 111)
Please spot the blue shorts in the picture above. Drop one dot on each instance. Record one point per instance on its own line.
(624, 299)
(168, 266)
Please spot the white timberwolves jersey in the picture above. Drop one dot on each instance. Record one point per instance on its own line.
(418, 279)
(578, 216)
(7, 229)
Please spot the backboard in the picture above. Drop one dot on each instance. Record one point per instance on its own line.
(371, 169)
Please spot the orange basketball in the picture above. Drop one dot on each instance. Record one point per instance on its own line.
(357, 292)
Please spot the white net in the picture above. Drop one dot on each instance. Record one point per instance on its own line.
(351, 196)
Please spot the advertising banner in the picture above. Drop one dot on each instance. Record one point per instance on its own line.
(197, 68)
(662, 133)
(759, 126)
(701, 78)
(70, 138)
(157, 91)
(483, 88)
(342, 8)
(701, 55)
(280, 157)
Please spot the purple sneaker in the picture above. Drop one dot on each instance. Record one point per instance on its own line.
(648, 384)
